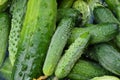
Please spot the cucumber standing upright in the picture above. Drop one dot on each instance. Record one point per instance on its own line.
(70, 57)
(57, 45)
(4, 33)
(18, 9)
(37, 30)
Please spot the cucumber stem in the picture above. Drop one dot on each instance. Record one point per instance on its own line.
(41, 78)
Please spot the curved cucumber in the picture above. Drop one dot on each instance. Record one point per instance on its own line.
(99, 33)
(4, 33)
(85, 70)
(70, 57)
(18, 9)
(37, 30)
(57, 45)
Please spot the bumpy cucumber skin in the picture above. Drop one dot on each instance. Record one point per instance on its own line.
(38, 27)
(66, 3)
(85, 70)
(4, 33)
(104, 15)
(57, 45)
(18, 9)
(99, 33)
(108, 57)
(70, 57)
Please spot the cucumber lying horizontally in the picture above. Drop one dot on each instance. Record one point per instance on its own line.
(99, 32)
(105, 78)
(37, 30)
(85, 70)
(70, 57)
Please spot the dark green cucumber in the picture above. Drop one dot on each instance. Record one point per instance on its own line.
(99, 32)
(83, 7)
(37, 30)
(57, 45)
(6, 69)
(108, 57)
(85, 70)
(104, 15)
(18, 9)
(66, 3)
(3, 5)
(105, 78)
(61, 13)
(70, 57)
(4, 33)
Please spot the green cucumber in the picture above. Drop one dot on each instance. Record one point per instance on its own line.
(57, 45)
(6, 69)
(85, 70)
(83, 7)
(66, 3)
(3, 5)
(104, 15)
(70, 57)
(108, 57)
(61, 13)
(18, 9)
(4, 34)
(38, 28)
(99, 32)
(105, 78)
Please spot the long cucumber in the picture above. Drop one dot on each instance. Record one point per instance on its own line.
(70, 57)
(57, 45)
(18, 9)
(37, 30)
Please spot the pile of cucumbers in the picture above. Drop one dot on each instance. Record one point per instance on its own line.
(59, 39)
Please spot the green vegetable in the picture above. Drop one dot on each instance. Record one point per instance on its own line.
(70, 57)
(85, 70)
(38, 27)
(3, 5)
(57, 45)
(66, 3)
(105, 78)
(99, 32)
(62, 13)
(18, 9)
(83, 7)
(104, 15)
(4, 33)
(108, 57)
(6, 69)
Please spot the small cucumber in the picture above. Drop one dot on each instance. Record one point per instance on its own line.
(4, 34)
(38, 27)
(108, 57)
(84, 9)
(104, 15)
(66, 3)
(70, 57)
(85, 70)
(57, 45)
(105, 78)
(18, 9)
(99, 32)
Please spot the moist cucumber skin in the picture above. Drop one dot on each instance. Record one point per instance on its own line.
(38, 28)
